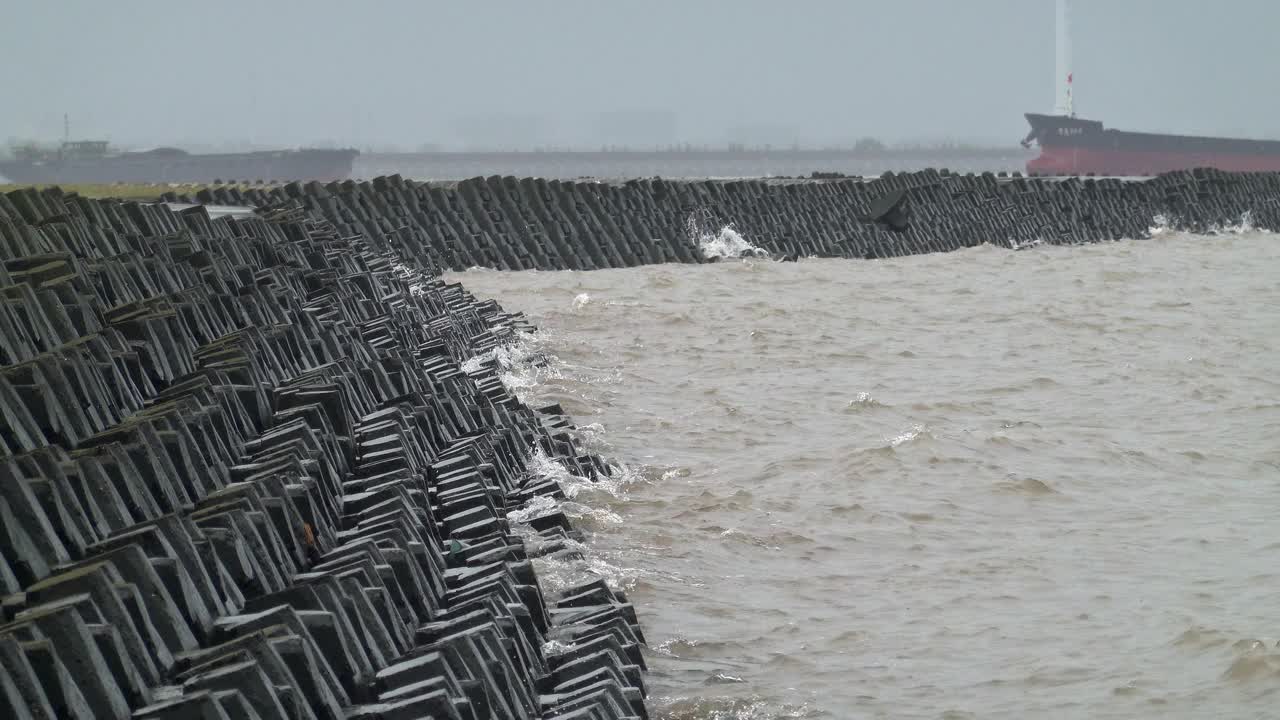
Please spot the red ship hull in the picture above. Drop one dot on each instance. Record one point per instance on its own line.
(1086, 161)
(1069, 146)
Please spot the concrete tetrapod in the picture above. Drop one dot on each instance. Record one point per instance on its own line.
(511, 224)
(244, 474)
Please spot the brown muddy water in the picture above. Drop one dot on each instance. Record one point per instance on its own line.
(984, 484)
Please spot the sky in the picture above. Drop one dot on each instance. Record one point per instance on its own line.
(520, 74)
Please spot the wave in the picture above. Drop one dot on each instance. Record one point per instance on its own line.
(714, 244)
(1255, 662)
(524, 368)
(565, 563)
(1164, 224)
(863, 401)
(728, 708)
(1161, 225)
(1026, 486)
(559, 572)
(519, 365)
(979, 436)
(1244, 226)
(728, 243)
(907, 436)
(682, 647)
(613, 486)
(1025, 244)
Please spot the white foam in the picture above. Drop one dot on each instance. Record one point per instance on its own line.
(557, 575)
(674, 473)
(555, 647)
(581, 300)
(578, 564)
(575, 563)
(1244, 226)
(1015, 245)
(725, 242)
(728, 708)
(1162, 225)
(591, 438)
(664, 647)
(520, 366)
(613, 486)
(535, 508)
(907, 436)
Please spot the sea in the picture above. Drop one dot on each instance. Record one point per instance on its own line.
(980, 484)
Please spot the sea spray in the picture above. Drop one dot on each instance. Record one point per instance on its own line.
(715, 241)
(728, 243)
(574, 562)
(521, 367)
(1246, 225)
(1163, 224)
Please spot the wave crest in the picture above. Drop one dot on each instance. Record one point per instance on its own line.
(724, 242)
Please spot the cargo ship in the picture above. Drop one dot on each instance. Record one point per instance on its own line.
(1074, 146)
(93, 161)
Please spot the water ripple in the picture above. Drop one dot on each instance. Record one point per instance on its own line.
(978, 484)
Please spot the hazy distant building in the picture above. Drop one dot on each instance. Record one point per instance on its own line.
(636, 128)
(501, 131)
(758, 135)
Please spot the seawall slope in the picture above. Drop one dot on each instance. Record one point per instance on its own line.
(526, 223)
(255, 467)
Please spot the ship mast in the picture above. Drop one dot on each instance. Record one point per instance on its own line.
(1064, 103)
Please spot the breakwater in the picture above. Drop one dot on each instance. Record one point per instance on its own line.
(259, 467)
(264, 464)
(516, 224)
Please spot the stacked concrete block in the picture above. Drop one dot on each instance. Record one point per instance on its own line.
(243, 472)
(244, 475)
(513, 224)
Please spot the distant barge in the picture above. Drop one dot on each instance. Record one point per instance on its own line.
(93, 161)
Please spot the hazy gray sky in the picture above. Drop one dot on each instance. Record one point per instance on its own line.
(518, 73)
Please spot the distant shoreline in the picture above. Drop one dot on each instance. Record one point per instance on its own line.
(932, 151)
(695, 163)
(569, 164)
(866, 151)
